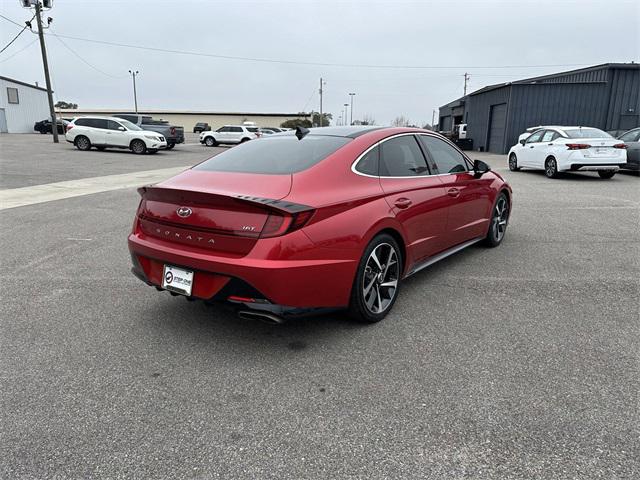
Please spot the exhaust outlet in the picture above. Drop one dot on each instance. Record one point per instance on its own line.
(268, 318)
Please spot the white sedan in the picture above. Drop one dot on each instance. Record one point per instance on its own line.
(562, 149)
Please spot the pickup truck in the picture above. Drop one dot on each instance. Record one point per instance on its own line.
(172, 133)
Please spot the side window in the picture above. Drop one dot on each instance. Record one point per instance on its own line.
(111, 125)
(630, 136)
(82, 122)
(402, 157)
(235, 129)
(222, 130)
(131, 118)
(99, 123)
(548, 136)
(534, 138)
(446, 158)
(369, 163)
(12, 95)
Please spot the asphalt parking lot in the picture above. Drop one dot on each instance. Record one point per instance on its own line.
(516, 362)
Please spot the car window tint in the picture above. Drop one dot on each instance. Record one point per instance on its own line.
(368, 164)
(402, 157)
(535, 137)
(630, 136)
(278, 155)
(235, 129)
(252, 129)
(81, 122)
(111, 125)
(446, 158)
(548, 136)
(587, 133)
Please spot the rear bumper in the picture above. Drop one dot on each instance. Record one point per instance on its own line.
(586, 167)
(311, 278)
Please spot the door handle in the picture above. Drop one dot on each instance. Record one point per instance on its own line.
(531, 146)
(453, 192)
(403, 203)
(550, 144)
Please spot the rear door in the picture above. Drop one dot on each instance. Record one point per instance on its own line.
(469, 198)
(95, 129)
(416, 197)
(235, 134)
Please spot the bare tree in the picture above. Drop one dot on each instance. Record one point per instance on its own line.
(401, 121)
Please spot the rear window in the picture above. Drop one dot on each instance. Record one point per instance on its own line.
(252, 129)
(275, 155)
(587, 133)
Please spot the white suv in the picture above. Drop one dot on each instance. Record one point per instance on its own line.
(111, 132)
(229, 134)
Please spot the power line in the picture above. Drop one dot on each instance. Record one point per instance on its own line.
(11, 21)
(16, 37)
(64, 44)
(18, 51)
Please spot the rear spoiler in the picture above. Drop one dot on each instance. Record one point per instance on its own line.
(151, 192)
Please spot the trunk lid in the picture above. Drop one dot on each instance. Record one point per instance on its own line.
(217, 211)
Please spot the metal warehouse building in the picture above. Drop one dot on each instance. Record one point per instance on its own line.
(603, 96)
(21, 105)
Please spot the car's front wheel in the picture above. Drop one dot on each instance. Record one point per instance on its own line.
(499, 222)
(170, 146)
(82, 143)
(513, 163)
(606, 174)
(551, 167)
(138, 147)
(377, 281)
(210, 142)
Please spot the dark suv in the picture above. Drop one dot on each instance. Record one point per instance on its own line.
(201, 127)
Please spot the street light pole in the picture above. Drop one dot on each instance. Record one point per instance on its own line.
(45, 63)
(346, 108)
(135, 93)
(352, 95)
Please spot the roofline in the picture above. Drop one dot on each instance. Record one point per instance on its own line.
(25, 84)
(179, 112)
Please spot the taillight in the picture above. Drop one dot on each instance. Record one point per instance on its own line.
(172, 130)
(620, 145)
(69, 126)
(278, 224)
(577, 146)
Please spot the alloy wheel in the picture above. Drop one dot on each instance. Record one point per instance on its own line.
(380, 279)
(551, 168)
(500, 218)
(83, 143)
(513, 163)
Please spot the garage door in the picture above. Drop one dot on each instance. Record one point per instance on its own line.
(497, 127)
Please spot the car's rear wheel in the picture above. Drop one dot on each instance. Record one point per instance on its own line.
(551, 168)
(170, 146)
(499, 222)
(513, 163)
(606, 173)
(245, 140)
(138, 147)
(210, 142)
(377, 281)
(83, 143)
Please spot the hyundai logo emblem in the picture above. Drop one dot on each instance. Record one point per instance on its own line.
(184, 212)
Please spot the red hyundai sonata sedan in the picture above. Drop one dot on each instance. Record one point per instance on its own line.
(327, 218)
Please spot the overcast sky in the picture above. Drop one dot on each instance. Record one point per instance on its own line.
(464, 36)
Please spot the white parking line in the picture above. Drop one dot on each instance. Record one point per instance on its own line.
(19, 197)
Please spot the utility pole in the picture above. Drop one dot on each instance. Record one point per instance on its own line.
(320, 120)
(346, 108)
(135, 93)
(466, 80)
(45, 63)
(433, 121)
(352, 95)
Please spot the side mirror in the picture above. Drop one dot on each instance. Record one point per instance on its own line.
(522, 141)
(480, 168)
(122, 129)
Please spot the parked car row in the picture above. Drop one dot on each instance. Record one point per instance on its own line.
(44, 126)
(556, 149)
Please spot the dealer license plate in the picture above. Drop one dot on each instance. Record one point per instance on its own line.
(177, 280)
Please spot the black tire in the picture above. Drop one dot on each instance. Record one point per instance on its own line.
(606, 174)
(210, 142)
(152, 150)
(499, 221)
(245, 139)
(374, 305)
(513, 163)
(138, 147)
(551, 168)
(82, 143)
(170, 146)
(101, 148)
(43, 132)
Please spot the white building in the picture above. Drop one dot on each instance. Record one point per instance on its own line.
(21, 105)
